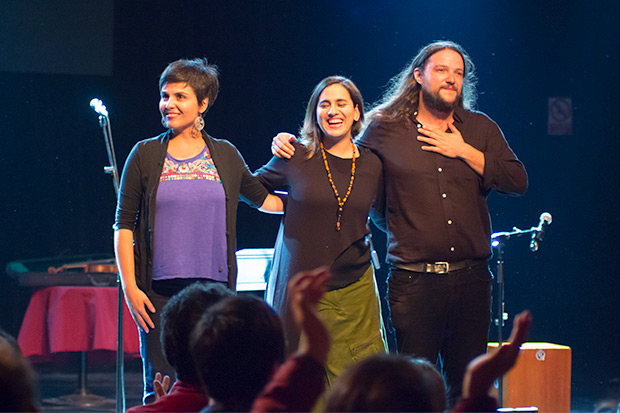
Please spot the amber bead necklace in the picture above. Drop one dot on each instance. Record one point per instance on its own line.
(342, 201)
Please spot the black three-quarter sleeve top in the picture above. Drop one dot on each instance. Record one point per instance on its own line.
(308, 237)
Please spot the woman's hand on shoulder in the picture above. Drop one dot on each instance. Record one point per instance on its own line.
(281, 145)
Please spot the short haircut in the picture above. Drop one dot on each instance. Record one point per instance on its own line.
(236, 346)
(389, 383)
(17, 378)
(179, 317)
(201, 76)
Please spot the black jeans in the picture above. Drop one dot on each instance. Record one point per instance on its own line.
(442, 315)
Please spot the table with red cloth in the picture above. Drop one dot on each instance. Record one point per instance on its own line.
(66, 318)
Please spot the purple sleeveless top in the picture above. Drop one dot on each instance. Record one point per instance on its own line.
(190, 221)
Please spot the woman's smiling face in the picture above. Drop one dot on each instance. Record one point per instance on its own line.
(336, 113)
(179, 106)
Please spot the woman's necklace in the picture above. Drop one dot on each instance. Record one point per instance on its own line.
(342, 201)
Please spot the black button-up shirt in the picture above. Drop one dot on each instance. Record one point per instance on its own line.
(434, 207)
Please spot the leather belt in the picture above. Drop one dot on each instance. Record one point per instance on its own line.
(440, 267)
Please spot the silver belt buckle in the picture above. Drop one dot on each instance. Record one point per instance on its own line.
(440, 267)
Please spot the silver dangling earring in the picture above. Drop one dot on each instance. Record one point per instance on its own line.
(199, 124)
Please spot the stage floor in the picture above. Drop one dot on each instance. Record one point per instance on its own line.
(59, 387)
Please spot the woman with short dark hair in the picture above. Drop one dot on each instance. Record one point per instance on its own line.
(176, 214)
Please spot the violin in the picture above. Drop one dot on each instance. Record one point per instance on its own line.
(100, 266)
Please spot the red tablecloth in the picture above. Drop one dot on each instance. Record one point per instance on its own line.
(62, 319)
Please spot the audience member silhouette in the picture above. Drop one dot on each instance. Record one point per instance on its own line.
(239, 344)
(389, 383)
(17, 378)
(179, 317)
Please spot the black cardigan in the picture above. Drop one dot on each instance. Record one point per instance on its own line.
(138, 192)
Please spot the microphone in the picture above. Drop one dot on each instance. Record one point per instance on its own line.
(99, 107)
(539, 233)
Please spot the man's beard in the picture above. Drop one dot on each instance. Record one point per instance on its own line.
(434, 101)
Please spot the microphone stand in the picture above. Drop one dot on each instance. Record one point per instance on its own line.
(498, 241)
(112, 169)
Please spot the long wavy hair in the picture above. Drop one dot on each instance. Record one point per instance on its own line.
(400, 101)
(310, 134)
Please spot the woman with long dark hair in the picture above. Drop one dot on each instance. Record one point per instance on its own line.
(331, 184)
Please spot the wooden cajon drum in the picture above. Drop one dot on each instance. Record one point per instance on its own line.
(541, 378)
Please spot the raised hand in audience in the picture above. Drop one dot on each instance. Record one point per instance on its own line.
(305, 290)
(161, 386)
(485, 369)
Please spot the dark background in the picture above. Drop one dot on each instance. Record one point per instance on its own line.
(55, 56)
